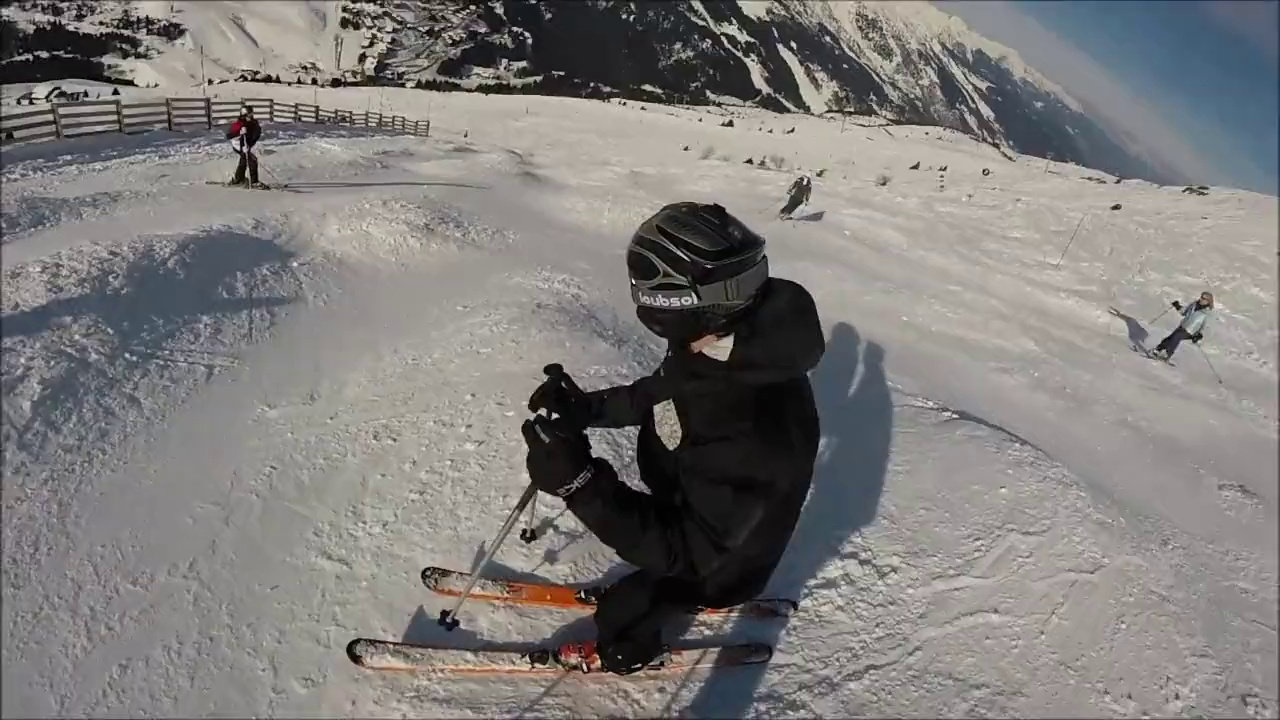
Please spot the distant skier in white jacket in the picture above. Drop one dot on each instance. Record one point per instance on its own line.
(1191, 328)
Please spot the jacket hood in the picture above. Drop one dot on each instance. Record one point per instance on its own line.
(781, 339)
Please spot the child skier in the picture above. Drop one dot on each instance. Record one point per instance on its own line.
(1191, 328)
(728, 433)
(244, 134)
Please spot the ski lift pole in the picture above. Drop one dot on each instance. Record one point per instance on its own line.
(449, 618)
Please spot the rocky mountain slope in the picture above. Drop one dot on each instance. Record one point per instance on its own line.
(907, 61)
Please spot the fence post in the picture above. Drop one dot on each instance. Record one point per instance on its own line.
(428, 128)
(57, 122)
(271, 109)
(208, 113)
(168, 111)
(120, 115)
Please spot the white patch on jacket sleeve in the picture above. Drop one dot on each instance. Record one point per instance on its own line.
(720, 349)
(667, 424)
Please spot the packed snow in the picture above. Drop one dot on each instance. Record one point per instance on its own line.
(237, 424)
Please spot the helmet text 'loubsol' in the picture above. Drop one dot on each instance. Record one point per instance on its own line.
(663, 301)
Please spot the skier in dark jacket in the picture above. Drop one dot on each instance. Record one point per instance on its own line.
(1194, 316)
(797, 195)
(728, 432)
(244, 134)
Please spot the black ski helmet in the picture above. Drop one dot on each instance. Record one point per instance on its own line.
(694, 268)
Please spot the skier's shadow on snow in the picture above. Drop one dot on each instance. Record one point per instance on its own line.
(1137, 333)
(811, 217)
(857, 424)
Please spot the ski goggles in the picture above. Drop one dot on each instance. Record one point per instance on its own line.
(730, 291)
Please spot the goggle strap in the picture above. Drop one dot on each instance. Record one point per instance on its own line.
(730, 290)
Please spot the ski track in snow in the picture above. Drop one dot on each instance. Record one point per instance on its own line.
(236, 424)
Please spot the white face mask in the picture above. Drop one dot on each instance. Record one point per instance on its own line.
(720, 348)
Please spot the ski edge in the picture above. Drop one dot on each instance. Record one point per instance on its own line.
(518, 662)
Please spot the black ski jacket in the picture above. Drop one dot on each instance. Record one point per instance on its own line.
(252, 131)
(799, 190)
(724, 501)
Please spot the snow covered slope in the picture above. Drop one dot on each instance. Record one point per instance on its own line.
(908, 61)
(236, 424)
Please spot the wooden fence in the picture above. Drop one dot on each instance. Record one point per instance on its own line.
(91, 117)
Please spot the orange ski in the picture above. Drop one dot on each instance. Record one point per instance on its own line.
(534, 660)
(453, 582)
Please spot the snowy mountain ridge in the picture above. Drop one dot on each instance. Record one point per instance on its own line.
(906, 61)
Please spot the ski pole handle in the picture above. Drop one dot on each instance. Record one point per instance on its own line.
(556, 374)
(556, 370)
(449, 618)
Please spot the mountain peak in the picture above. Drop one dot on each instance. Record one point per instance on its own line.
(910, 62)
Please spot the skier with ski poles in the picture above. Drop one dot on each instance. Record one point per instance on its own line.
(244, 133)
(1194, 316)
(797, 195)
(728, 433)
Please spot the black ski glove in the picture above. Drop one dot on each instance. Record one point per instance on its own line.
(1177, 305)
(1197, 338)
(560, 395)
(559, 460)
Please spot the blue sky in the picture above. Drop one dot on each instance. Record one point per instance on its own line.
(1191, 85)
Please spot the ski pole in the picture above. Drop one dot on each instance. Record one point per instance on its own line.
(274, 179)
(1160, 315)
(529, 532)
(449, 618)
(1205, 355)
(1073, 239)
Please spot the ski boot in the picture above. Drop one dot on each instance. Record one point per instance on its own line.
(577, 656)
